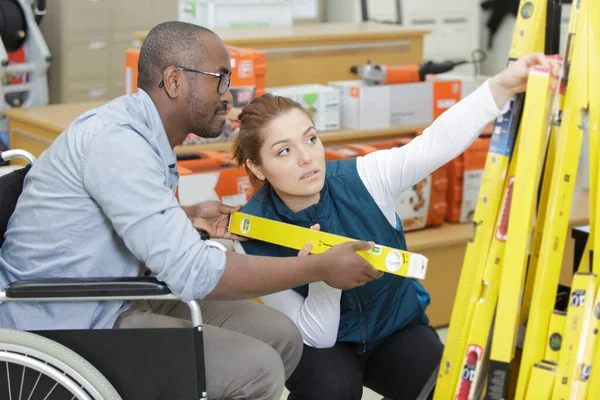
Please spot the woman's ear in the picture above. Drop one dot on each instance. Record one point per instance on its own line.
(255, 170)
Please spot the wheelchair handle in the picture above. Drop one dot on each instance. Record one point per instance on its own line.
(213, 243)
(12, 154)
(209, 242)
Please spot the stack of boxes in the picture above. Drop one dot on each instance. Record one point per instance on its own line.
(449, 194)
(211, 175)
(407, 104)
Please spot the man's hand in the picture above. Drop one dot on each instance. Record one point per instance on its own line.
(341, 268)
(513, 79)
(212, 217)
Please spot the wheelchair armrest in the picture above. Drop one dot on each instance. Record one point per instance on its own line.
(86, 287)
(102, 289)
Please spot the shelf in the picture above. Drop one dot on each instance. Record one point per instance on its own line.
(317, 33)
(333, 138)
(324, 52)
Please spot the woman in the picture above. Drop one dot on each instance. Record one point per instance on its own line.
(378, 334)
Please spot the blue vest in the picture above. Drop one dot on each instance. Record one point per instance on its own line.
(373, 311)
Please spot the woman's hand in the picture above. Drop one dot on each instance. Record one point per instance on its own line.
(306, 249)
(513, 79)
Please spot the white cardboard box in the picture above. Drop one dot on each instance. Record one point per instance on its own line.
(215, 14)
(385, 106)
(322, 102)
(468, 83)
(407, 104)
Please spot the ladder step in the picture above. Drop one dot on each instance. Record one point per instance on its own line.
(20, 68)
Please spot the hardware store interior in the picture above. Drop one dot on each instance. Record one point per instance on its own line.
(475, 168)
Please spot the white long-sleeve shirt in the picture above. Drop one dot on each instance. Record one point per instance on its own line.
(386, 174)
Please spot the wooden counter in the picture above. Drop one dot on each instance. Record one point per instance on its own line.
(319, 53)
(33, 129)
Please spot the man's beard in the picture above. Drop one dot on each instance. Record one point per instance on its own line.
(204, 119)
(207, 131)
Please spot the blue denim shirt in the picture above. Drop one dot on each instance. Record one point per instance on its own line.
(100, 202)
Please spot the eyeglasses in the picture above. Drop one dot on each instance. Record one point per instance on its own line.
(224, 79)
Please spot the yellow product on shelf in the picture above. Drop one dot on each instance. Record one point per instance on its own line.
(580, 308)
(542, 214)
(594, 128)
(555, 335)
(594, 380)
(542, 381)
(588, 340)
(535, 242)
(483, 314)
(594, 122)
(560, 198)
(529, 36)
(528, 169)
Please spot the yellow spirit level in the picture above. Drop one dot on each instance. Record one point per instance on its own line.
(382, 258)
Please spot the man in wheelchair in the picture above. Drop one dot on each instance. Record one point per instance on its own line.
(100, 202)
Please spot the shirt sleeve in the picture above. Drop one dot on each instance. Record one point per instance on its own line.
(387, 173)
(127, 179)
(317, 317)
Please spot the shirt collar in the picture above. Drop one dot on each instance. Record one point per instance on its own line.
(152, 118)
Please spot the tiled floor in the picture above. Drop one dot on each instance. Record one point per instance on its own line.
(370, 395)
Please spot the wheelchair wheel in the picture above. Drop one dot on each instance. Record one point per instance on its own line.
(34, 367)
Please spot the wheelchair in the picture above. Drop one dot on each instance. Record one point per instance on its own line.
(107, 364)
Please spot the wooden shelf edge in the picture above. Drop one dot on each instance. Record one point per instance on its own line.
(299, 34)
(449, 234)
(333, 138)
(193, 148)
(265, 43)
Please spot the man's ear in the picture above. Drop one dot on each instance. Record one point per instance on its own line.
(256, 170)
(172, 82)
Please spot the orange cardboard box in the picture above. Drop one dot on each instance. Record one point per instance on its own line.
(465, 173)
(335, 154)
(248, 69)
(213, 176)
(425, 204)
